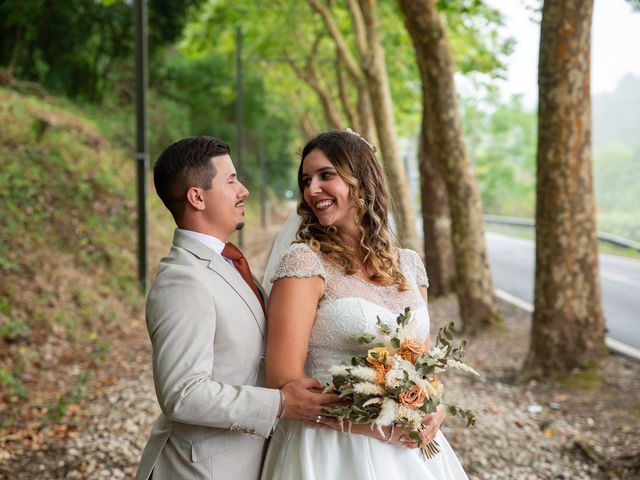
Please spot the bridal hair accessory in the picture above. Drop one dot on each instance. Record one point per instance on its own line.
(370, 145)
(318, 418)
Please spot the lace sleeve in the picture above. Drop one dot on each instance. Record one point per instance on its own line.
(417, 269)
(299, 261)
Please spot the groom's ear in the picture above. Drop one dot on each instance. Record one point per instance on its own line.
(195, 197)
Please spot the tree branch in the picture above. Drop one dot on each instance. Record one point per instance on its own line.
(352, 113)
(343, 50)
(309, 75)
(358, 27)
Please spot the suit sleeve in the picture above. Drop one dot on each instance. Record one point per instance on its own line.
(181, 319)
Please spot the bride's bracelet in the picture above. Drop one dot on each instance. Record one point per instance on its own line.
(282, 404)
(393, 426)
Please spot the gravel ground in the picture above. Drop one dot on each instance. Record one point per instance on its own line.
(585, 427)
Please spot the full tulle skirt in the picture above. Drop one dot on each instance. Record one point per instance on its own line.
(298, 451)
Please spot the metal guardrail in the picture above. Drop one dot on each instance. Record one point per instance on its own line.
(529, 223)
(612, 344)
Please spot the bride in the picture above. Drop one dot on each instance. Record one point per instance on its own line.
(330, 285)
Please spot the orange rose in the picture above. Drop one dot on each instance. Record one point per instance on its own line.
(412, 349)
(413, 398)
(414, 346)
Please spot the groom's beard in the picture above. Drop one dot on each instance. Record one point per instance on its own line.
(240, 226)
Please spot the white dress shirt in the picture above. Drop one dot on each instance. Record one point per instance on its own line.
(213, 243)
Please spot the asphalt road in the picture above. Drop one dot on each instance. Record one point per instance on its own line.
(512, 266)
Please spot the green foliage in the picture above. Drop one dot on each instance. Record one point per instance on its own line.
(467, 414)
(83, 48)
(65, 206)
(365, 338)
(16, 386)
(616, 147)
(281, 32)
(582, 380)
(501, 138)
(202, 90)
(502, 141)
(73, 395)
(13, 330)
(616, 173)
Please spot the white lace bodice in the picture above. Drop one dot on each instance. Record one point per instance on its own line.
(350, 306)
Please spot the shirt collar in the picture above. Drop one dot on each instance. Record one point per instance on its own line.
(213, 243)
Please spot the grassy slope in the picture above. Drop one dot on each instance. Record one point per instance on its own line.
(67, 251)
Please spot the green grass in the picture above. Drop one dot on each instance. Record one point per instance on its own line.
(67, 211)
(584, 380)
(67, 237)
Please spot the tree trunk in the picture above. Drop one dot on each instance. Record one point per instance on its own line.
(568, 327)
(366, 116)
(368, 129)
(375, 70)
(473, 279)
(343, 90)
(436, 218)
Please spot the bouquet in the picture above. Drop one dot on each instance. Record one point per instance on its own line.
(396, 382)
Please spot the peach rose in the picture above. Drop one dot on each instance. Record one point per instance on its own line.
(414, 346)
(413, 398)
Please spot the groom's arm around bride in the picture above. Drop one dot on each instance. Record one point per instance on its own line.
(205, 318)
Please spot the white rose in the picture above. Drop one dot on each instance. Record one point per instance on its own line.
(393, 378)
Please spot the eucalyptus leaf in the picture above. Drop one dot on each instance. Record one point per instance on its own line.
(365, 338)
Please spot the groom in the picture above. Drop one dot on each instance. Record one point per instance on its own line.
(206, 320)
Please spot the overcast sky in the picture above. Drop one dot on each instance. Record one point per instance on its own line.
(614, 41)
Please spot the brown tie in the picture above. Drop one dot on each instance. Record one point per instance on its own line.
(232, 252)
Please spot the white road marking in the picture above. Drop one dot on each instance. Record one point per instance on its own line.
(612, 344)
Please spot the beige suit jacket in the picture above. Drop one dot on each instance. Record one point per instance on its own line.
(207, 332)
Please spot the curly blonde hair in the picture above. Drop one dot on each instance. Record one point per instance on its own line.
(355, 162)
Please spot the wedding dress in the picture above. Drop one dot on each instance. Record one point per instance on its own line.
(350, 306)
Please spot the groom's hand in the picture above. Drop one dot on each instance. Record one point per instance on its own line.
(304, 403)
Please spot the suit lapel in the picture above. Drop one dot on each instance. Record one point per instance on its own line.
(228, 273)
(263, 293)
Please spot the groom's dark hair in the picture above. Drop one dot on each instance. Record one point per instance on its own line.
(185, 164)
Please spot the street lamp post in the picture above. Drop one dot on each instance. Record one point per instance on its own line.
(142, 147)
(239, 122)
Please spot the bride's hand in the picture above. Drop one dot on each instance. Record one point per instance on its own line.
(432, 423)
(400, 434)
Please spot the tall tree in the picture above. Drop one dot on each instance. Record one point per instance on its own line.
(568, 327)
(370, 71)
(474, 286)
(81, 48)
(436, 216)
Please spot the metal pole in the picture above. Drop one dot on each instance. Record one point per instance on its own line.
(142, 147)
(262, 159)
(239, 122)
